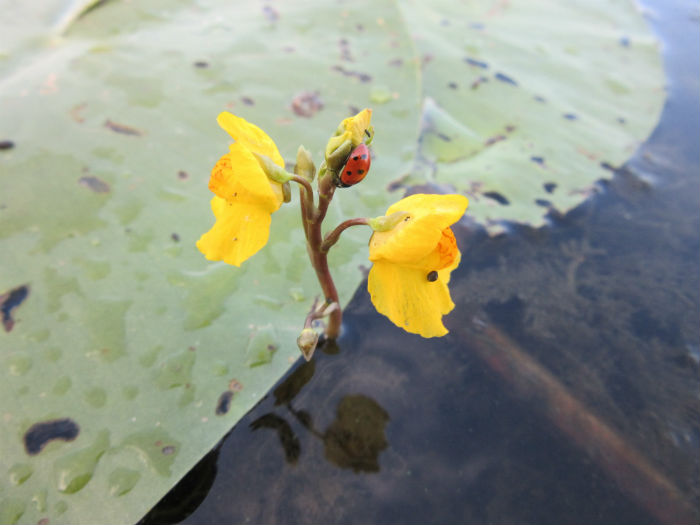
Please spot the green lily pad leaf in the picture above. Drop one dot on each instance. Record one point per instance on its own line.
(125, 355)
(528, 104)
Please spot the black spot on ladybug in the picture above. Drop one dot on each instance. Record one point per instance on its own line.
(360, 171)
(357, 157)
(40, 434)
(432, 276)
(349, 172)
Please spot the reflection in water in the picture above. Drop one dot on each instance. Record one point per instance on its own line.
(353, 440)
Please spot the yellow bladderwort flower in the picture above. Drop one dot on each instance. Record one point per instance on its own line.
(352, 129)
(413, 261)
(245, 197)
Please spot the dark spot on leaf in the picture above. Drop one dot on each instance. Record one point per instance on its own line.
(537, 160)
(570, 116)
(444, 137)
(167, 450)
(271, 14)
(122, 128)
(477, 25)
(621, 120)
(182, 175)
(497, 197)
(201, 64)
(40, 434)
(492, 140)
(510, 128)
(538, 98)
(307, 103)
(625, 41)
(360, 27)
(6, 144)
(175, 237)
(362, 77)
(432, 276)
(607, 166)
(452, 85)
(223, 405)
(345, 50)
(248, 101)
(505, 78)
(476, 63)
(9, 301)
(396, 62)
(94, 184)
(272, 348)
(543, 202)
(549, 187)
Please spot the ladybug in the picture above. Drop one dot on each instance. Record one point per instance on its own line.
(356, 167)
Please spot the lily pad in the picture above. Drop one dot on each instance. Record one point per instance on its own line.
(529, 103)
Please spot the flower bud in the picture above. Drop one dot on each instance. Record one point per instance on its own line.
(305, 165)
(386, 223)
(274, 172)
(307, 341)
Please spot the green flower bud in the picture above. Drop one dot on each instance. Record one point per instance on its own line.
(273, 171)
(305, 165)
(385, 223)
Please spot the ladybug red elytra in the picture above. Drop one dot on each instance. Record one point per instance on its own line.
(356, 167)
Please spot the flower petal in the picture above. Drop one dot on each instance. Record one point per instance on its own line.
(409, 299)
(357, 125)
(250, 136)
(238, 177)
(241, 229)
(419, 234)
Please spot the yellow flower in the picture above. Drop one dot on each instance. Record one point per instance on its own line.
(352, 128)
(244, 197)
(413, 261)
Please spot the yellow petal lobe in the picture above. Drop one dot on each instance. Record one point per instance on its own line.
(240, 230)
(409, 299)
(249, 136)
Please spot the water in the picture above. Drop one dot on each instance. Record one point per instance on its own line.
(388, 428)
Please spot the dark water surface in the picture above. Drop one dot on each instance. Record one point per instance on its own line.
(566, 392)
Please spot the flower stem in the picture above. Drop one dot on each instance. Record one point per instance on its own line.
(332, 237)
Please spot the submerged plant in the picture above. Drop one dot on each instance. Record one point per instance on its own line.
(412, 247)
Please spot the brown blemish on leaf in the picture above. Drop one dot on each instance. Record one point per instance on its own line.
(306, 104)
(248, 101)
(122, 128)
(9, 301)
(183, 175)
(75, 112)
(235, 385)
(94, 184)
(6, 144)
